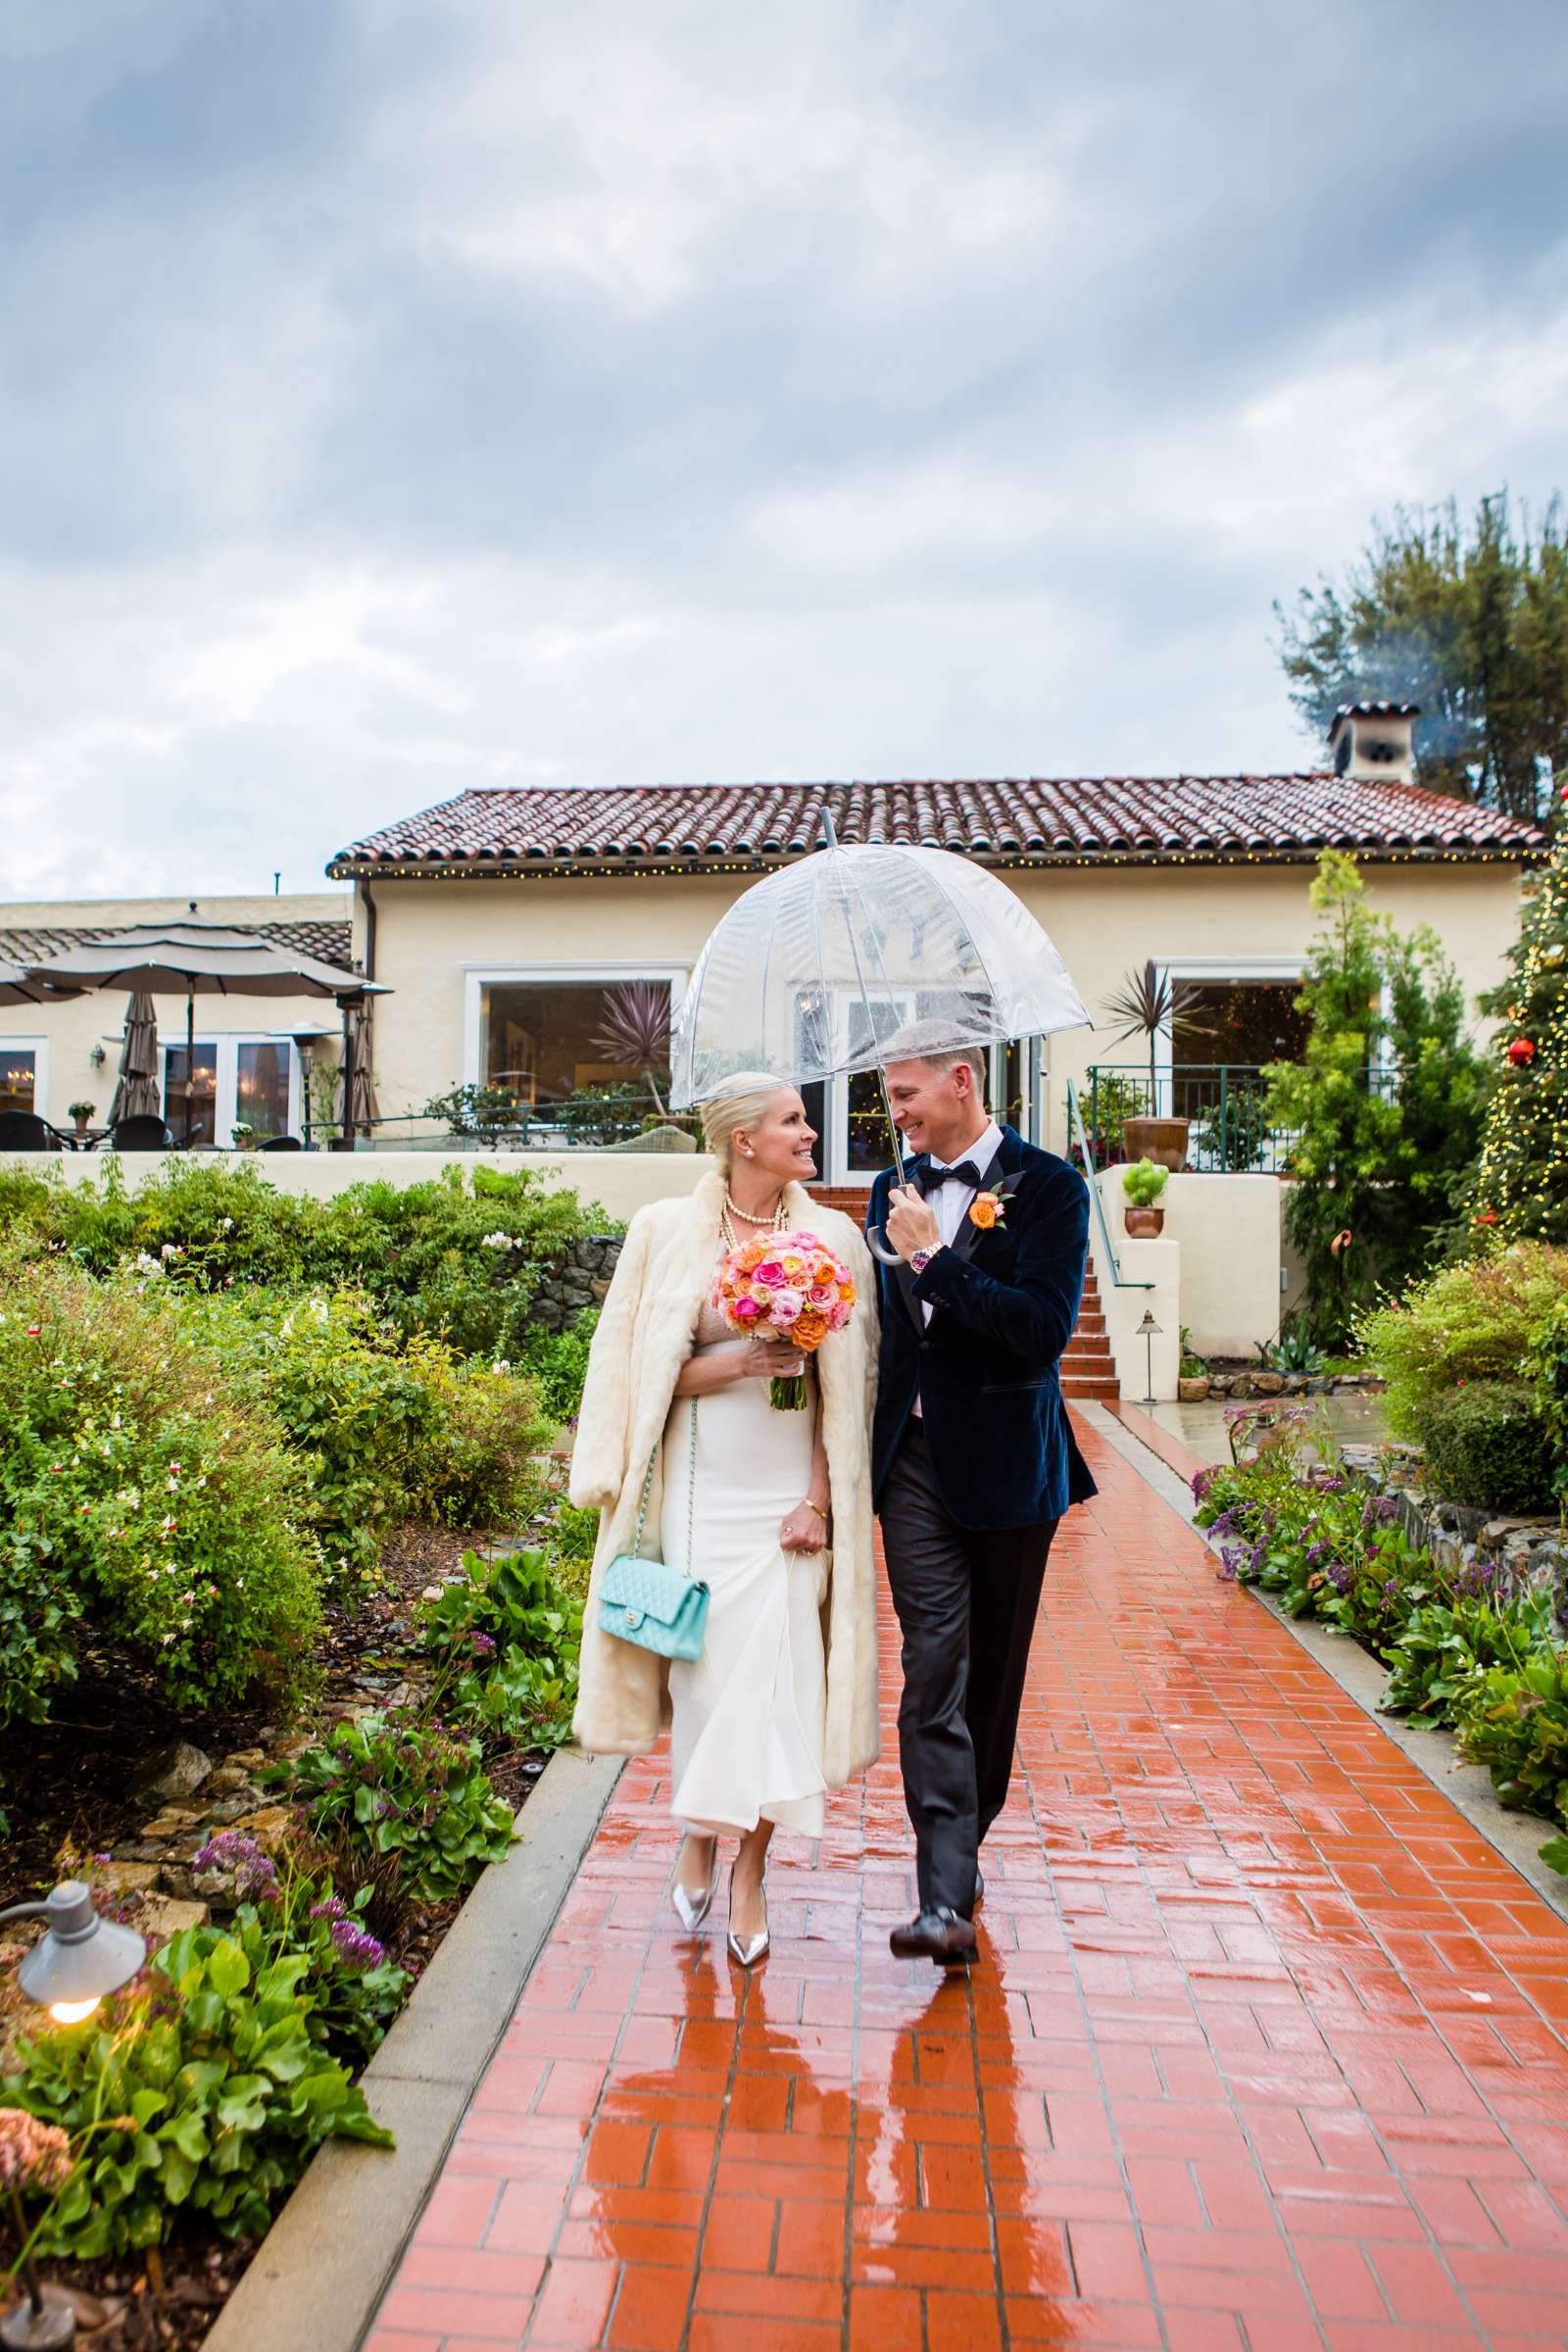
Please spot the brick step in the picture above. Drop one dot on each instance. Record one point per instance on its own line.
(1077, 1387)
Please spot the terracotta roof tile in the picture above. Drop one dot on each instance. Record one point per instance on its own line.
(1073, 819)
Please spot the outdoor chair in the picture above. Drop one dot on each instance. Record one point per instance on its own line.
(282, 1143)
(25, 1131)
(143, 1130)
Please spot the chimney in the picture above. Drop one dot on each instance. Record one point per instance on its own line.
(1375, 741)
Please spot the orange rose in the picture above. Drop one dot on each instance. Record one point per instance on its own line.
(985, 1210)
(808, 1332)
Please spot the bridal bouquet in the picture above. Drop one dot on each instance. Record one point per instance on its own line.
(789, 1287)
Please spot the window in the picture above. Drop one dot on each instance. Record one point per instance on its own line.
(262, 1086)
(19, 1076)
(203, 1093)
(1241, 1021)
(590, 1055)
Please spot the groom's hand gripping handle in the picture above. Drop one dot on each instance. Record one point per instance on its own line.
(1032, 1315)
(911, 1222)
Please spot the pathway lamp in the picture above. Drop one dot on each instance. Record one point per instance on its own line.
(76, 1960)
(1148, 1332)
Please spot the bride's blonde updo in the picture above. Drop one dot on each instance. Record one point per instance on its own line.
(739, 1103)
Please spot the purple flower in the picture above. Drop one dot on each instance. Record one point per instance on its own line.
(255, 1873)
(355, 1946)
(333, 1907)
(1203, 1480)
(483, 1644)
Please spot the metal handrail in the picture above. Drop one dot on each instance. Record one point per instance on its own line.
(1075, 1122)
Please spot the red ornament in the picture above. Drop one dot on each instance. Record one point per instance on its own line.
(1486, 1216)
(1521, 1051)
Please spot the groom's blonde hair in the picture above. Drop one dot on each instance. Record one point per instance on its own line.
(739, 1104)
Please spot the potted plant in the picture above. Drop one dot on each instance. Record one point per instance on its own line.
(1143, 1183)
(1149, 1002)
(241, 1134)
(82, 1112)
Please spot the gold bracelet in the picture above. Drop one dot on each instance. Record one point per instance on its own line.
(806, 1504)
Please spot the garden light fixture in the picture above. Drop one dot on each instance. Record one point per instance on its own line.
(78, 1958)
(1148, 1332)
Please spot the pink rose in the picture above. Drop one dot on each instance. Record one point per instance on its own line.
(822, 1293)
(770, 1272)
(838, 1315)
(745, 1310)
(786, 1308)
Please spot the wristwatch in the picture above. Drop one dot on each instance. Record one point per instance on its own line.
(921, 1258)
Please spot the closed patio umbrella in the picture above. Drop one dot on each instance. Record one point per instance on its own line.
(355, 1097)
(197, 960)
(137, 1094)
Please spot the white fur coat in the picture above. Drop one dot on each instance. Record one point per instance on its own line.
(646, 1332)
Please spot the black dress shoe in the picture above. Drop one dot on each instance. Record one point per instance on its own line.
(939, 1935)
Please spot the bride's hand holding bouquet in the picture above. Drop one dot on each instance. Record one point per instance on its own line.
(789, 1290)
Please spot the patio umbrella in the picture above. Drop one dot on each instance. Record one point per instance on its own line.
(817, 970)
(197, 960)
(354, 1100)
(17, 988)
(136, 1092)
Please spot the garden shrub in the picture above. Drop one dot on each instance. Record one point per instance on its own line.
(1488, 1446)
(556, 1363)
(1467, 1322)
(404, 1805)
(196, 2089)
(1516, 1723)
(460, 1256)
(144, 1495)
(386, 1428)
(1448, 1641)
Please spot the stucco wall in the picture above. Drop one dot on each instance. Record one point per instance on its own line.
(69, 1031)
(1227, 1232)
(1105, 921)
(620, 1182)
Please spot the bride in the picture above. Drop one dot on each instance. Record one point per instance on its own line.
(770, 1510)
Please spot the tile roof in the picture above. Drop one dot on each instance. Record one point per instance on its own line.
(328, 941)
(1056, 820)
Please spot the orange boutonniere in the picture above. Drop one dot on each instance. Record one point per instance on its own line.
(987, 1210)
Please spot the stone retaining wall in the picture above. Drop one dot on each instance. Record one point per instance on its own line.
(1533, 1549)
(581, 1279)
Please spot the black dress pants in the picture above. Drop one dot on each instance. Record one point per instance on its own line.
(966, 1605)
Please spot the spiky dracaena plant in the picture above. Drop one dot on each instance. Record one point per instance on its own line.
(1150, 1000)
(634, 1032)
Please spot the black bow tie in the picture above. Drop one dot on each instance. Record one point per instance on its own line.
(964, 1174)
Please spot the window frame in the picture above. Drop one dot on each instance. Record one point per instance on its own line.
(227, 1044)
(611, 973)
(38, 1048)
(1222, 968)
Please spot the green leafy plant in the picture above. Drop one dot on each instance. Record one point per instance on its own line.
(1294, 1350)
(1113, 1098)
(143, 1492)
(1475, 1322)
(1447, 1643)
(390, 1791)
(1143, 1183)
(1516, 1724)
(199, 2090)
(506, 1635)
(477, 1111)
(1488, 1446)
(1237, 1137)
(1150, 1002)
(1382, 1109)
(556, 1363)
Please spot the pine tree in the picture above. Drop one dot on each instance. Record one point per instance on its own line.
(1521, 1188)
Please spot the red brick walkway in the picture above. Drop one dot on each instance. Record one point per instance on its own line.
(1265, 2048)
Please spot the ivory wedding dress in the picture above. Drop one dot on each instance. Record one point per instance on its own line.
(749, 1714)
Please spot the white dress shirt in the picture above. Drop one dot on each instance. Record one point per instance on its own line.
(950, 1203)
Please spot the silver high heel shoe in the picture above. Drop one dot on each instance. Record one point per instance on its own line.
(747, 1953)
(690, 1911)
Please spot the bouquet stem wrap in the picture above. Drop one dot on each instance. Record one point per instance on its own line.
(788, 1396)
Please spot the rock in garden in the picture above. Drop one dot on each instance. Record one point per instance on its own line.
(1269, 1384)
(226, 1779)
(270, 1826)
(1192, 1392)
(173, 1772)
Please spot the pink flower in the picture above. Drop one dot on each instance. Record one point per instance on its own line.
(820, 1293)
(770, 1272)
(838, 1315)
(745, 1310)
(786, 1308)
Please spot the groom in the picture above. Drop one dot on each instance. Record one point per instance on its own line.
(973, 1459)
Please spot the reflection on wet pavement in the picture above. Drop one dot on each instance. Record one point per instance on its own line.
(1264, 2049)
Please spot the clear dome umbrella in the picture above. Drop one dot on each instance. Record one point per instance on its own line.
(820, 969)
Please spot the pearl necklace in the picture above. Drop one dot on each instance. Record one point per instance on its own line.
(779, 1220)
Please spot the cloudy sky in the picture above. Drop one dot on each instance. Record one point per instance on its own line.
(397, 395)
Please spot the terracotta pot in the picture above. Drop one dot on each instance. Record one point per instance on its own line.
(1163, 1141)
(1142, 1224)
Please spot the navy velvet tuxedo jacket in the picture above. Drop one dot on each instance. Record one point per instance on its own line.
(986, 1367)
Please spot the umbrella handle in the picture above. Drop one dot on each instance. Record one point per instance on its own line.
(879, 1247)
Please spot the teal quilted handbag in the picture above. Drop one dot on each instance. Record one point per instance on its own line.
(649, 1602)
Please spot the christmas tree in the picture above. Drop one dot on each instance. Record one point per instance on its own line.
(1522, 1180)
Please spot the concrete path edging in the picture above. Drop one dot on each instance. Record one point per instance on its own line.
(1433, 1752)
(320, 2273)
